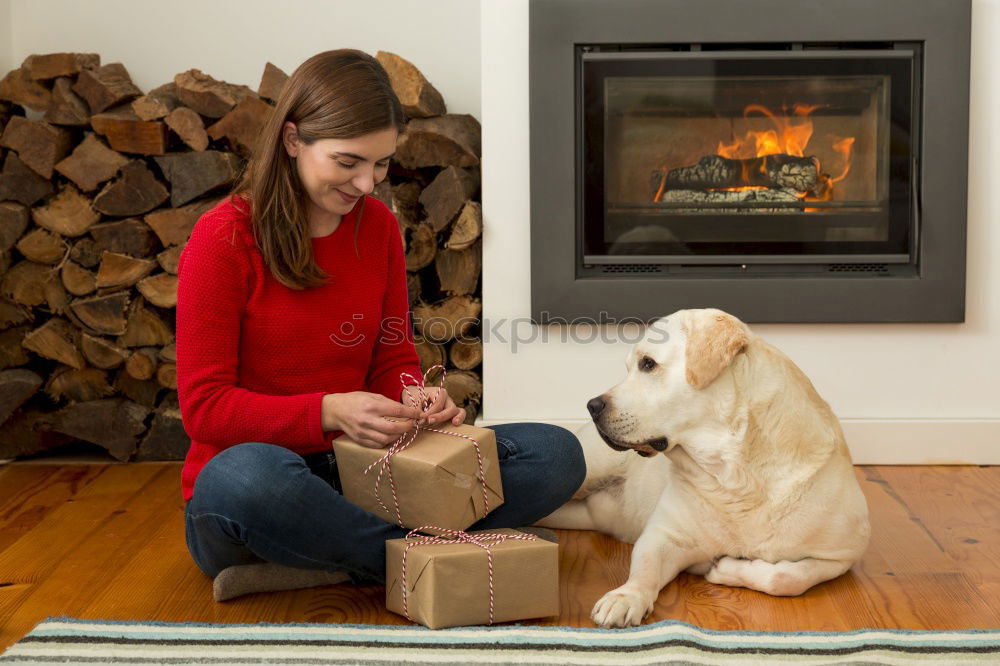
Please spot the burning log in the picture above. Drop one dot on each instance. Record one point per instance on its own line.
(715, 171)
(730, 197)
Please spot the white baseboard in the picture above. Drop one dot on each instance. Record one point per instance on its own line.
(895, 441)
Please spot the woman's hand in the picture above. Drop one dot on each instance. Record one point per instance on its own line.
(442, 407)
(370, 419)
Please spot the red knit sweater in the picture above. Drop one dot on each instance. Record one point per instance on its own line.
(254, 358)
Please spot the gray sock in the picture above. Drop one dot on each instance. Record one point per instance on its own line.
(243, 579)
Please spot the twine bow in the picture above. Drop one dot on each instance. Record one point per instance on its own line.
(486, 541)
(423, 403)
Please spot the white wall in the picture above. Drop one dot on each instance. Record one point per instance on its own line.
(6, 49)
(906, 393)
(232, 39)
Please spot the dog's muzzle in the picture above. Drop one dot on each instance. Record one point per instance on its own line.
(596, 407)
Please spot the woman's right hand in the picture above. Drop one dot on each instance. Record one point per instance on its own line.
(370, 419)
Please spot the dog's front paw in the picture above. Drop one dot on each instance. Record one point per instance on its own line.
(622, 607)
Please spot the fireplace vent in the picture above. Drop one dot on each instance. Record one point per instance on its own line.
(859, 268)
(632, 268)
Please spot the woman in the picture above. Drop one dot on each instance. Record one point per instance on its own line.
(293, 328)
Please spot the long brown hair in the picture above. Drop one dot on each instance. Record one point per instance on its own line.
(338, 94)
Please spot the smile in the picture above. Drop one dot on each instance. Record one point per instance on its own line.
(347, 199)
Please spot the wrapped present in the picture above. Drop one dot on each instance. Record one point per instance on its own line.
(478, 577)
(447, 476)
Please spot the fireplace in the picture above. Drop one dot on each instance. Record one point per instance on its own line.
(812, 170)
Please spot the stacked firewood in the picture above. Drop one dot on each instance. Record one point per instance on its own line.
(100, 187)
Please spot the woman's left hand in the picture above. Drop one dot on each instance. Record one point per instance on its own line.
(442, 407)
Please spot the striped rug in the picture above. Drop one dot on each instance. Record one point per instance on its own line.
(65, 641)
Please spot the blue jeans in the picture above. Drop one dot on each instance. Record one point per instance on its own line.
(258, 502)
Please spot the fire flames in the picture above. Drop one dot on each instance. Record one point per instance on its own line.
(790, 136)
(787, 137)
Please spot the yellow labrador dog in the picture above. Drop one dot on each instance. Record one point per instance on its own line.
(755, 487)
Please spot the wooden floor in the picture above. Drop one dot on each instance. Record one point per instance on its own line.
(106, 541)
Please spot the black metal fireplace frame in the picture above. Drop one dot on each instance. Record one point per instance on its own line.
(933, 290)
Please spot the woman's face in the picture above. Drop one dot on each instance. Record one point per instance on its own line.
(338, 172)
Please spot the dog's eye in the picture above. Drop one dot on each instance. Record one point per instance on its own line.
(646, 364)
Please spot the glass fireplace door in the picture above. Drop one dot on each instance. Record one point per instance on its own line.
(773, 158)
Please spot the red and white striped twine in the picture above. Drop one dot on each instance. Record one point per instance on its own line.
(423, 403)
(486, 541)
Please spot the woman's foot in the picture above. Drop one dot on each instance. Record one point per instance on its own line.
(243, 579)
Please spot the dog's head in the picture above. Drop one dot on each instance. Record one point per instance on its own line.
(675, 381)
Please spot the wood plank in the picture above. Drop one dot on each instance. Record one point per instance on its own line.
(32, 557)
(69, 555)
(107, 541)
(32, 491)
(590, 564)
(959, 507)
(900, 541)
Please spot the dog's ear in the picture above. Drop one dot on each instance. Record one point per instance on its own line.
(713, 341)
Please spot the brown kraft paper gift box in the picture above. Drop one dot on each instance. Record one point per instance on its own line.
(436, 478)
(448, 585)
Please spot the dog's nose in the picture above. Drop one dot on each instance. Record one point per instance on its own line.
(595, 406)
